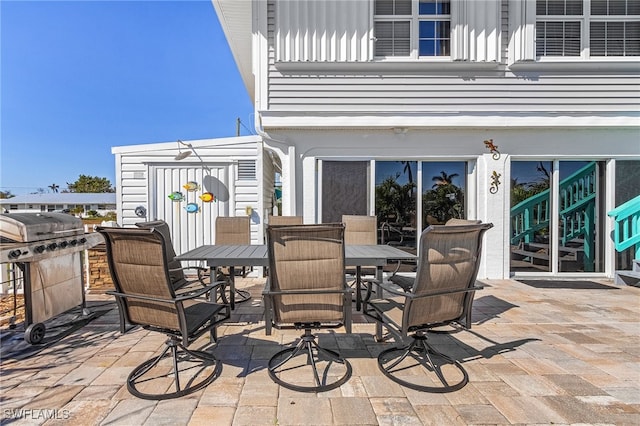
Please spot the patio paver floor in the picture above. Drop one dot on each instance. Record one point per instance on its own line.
(535, 355)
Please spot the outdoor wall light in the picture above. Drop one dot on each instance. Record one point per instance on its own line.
(182, 154)
(186, 153)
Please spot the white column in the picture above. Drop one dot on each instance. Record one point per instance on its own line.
(493, 206)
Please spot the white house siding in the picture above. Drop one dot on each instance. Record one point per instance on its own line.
(323, 30)
(315, 106)
(458, 145)
(149, 173)
(482, 84)
(487, 92)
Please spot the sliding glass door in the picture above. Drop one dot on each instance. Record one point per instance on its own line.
(557, 216)
(395, 202)
(401, 212)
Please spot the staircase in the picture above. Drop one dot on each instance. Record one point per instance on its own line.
(577, 224)
(626, 236)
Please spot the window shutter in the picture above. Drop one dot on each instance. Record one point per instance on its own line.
(392, 38)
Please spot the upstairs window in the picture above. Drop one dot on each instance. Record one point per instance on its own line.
(587, 28)
(412, 28)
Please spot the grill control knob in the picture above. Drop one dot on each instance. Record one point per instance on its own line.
(39, 249)
(82, 240)
(63, 244)
(73, 243)
(14, 254)
(52, 246)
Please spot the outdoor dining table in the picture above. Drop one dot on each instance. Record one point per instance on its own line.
(256, 255)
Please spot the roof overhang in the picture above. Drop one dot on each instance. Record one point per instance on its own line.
(236, 21)
(200, 143)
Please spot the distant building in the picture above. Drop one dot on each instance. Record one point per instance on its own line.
(102, 203)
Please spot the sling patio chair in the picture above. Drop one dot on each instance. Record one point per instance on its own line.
(406, 282)
(145, 296)
(360, 230)
(234, 230)
(176, 270)
(306, 289)
(441, 295)
(284, 220)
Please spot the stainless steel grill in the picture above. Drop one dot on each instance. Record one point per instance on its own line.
(41, 254)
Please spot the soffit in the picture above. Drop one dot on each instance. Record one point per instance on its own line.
(235, 19)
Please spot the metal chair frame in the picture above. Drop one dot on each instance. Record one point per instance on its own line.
(307, 345)
(419, 348)
(193, 320)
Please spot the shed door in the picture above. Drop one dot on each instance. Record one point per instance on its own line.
(189, 229)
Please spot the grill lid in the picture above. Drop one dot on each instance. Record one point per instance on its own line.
(26, 227)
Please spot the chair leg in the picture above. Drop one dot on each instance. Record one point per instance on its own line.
(235, 295)
(397, 360)
(141, 375)
(379, 332)
(308, 347)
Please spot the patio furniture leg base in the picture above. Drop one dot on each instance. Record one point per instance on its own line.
(242, 296)
(308, 347)
(139, 375)
(423, 354)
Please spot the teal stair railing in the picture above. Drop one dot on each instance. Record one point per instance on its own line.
(577, 213)
(529, 216)
(626, 231)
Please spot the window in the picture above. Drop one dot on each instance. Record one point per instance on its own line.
(412, 28)
(587, 28)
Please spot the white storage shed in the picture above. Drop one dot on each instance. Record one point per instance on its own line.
(189, 183)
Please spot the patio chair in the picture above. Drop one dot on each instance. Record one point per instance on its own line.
(360, 230)
(306, 289)
(406, 282)
(284, 220)
(234, 230)
(176, 270)
(441, 295)
(145, 296)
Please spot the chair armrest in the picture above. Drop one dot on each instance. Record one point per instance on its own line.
(139, 296)
(180, 298)
(281, 292)
(442, 293)
(186, 268)
(384, 287)
(199, 292)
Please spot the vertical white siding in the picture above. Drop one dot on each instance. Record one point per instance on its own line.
(522, 24)
(189, 230)
(490, 32)
(476, 30)
(322, 30)
(147, 175)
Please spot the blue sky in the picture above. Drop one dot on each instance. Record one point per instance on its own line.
(79, 77)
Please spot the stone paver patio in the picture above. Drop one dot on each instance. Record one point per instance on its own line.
(538, 353)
